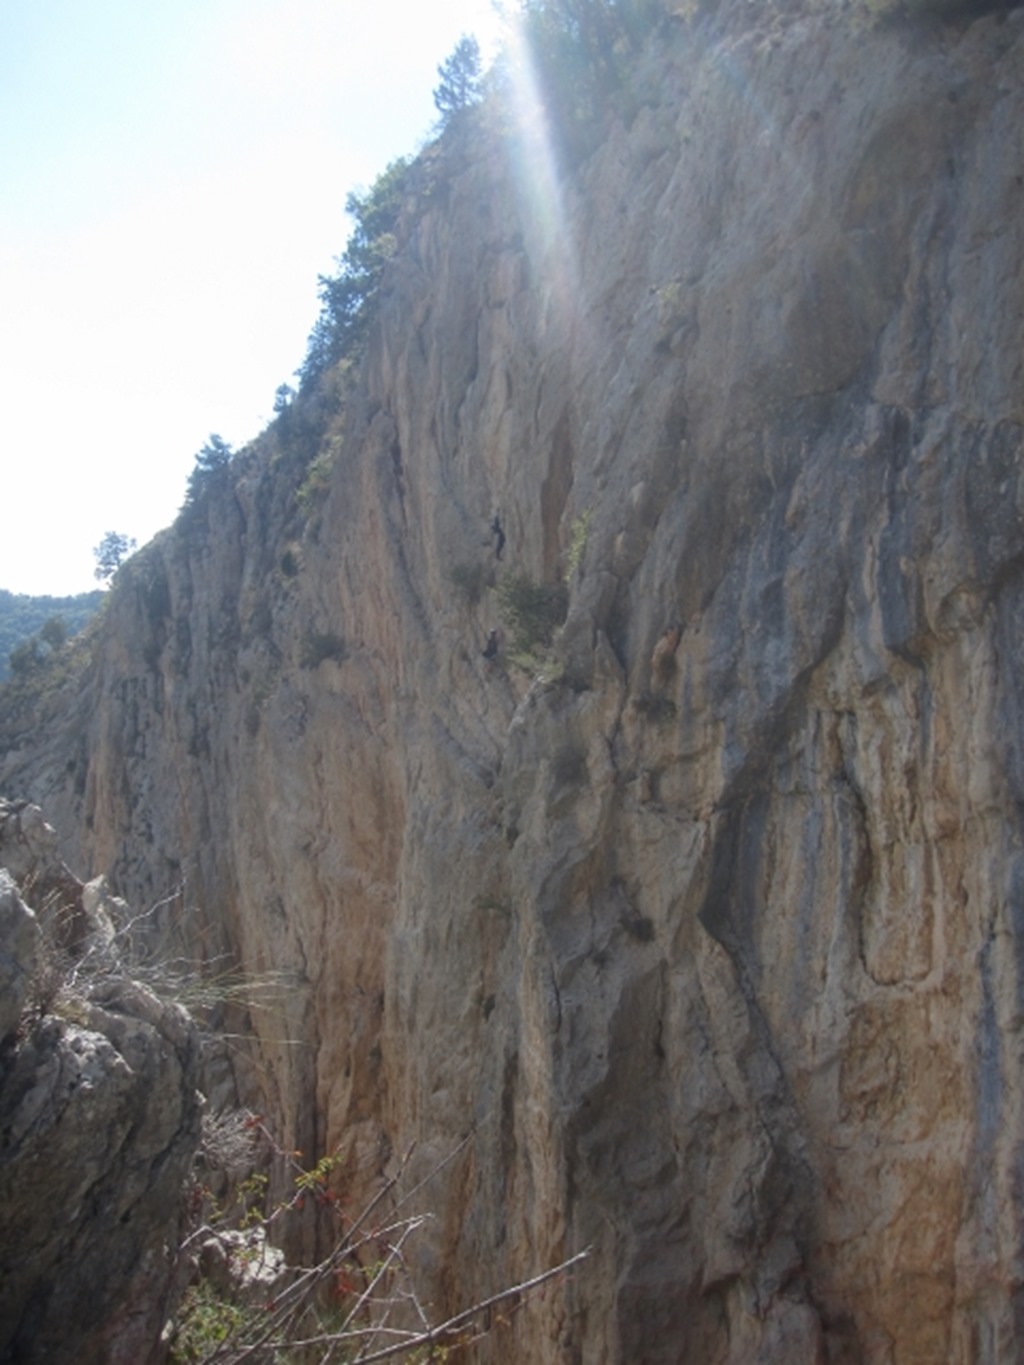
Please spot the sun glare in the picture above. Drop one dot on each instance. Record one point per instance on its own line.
(536, 162)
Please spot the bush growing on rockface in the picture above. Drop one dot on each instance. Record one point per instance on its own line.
(359, 1302)
(532, 613)
(469, 580)
(578, 534)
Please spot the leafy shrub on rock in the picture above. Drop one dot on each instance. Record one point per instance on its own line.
(532, 612)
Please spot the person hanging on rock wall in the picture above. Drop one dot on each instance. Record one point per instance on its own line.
(499, 534)
(493, 645)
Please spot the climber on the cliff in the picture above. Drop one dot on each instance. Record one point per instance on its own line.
(490, 649)
(499, 543)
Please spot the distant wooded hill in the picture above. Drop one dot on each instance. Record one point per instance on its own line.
(22, 615)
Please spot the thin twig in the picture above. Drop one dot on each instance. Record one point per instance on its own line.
(435, 1170)
(467, 1315)
(385, 1265)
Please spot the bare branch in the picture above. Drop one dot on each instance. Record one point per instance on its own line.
(452, 1325)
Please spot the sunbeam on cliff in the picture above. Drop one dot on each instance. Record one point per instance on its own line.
(536, 164)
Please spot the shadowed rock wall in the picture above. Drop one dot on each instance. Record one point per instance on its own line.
(99, 1122)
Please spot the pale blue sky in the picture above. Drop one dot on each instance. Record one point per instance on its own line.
(172, 180)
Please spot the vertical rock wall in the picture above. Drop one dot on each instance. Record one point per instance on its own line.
(708, 934)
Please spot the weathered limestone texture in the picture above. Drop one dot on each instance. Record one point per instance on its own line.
(19, 954)
(714, 945)
(99, 1119)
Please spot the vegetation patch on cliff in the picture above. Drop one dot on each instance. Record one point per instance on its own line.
(532, 614)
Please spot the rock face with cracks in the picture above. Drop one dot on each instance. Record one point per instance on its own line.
(99, 1120)
(706, 928)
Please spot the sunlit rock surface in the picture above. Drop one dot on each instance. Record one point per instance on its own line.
(714, 949)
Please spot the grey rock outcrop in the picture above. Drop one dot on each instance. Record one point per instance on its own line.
(714, 949)
(99, 1120)
(19, 947)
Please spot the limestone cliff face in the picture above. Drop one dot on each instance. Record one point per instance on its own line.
(711, 939)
